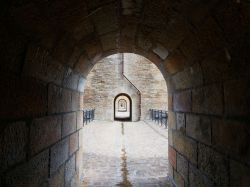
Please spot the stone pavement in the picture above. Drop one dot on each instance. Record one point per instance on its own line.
(125, 154)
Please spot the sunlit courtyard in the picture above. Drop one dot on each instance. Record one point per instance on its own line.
(125, 154)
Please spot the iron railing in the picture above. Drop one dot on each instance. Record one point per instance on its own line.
(159, 117)
(88, 116)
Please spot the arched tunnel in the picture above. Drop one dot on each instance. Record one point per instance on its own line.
(49, 47)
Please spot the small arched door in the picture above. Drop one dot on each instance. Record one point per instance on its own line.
(123, 107)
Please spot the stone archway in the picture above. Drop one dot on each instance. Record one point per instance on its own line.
(123, 107)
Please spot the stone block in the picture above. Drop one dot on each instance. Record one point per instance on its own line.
(79, 122)
(208, 100)
(199, 128)
(179, 180)
(64, 50)
(59, 100)
(70, 169)
(59, 154)
(69, 124)
(107, 14)
(182, 101)
(79, 163)
(214, 164)
(190, 77)
(81, 84)
(237, 96)
(172, 156)
(161, 51)
(22, 98)
(70, 79)
(180, 122)
(232, 137)
(44, 132)
(175, 62)
(32, 173)
(40, 65)
(75, 101)
(13, 143)
(109, 41)
(57, 179)
(239, 174)
(216, 67)
(197, 179)
(182, 167)
(185, 146)
(170, 137)
(73, 143)
(83, 65)
(171, 120)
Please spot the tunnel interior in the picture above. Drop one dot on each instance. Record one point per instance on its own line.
(48, 49)
(123, 107)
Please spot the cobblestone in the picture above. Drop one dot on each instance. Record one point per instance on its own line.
(125, 154)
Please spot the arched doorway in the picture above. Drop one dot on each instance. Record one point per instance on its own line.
(123, 107)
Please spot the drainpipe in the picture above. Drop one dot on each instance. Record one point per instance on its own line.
(138, 91)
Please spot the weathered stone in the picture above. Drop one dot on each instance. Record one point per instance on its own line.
(44, 132)
(106, 14)
(22, 97)
(175, 62)
(180, 122)
(172, 156)
(239, 174)
(188, 78)
(32, 173)
(59, 154)
(79, 122)
(208, 100)
(199, 128)
(232, 137)
(237, 96)
(70, 169)
(75, 96)
(161, 51)
(57, 180)
(83, 65)
(171, 120)
(182, 167)
(178, 179)
(40, 65)
(70, 79)
(109, 41)
(215, 67)
(170, 137)
(59, 100)
(81, 84)
(64, 49)
(197, 179)
(13, 143)
(213, 164)
(185, 146)
(73, 143)
(79, 163)
(69, 124)
(182, 101)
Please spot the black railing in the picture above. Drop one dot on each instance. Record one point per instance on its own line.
(88, 116)
(159, 117)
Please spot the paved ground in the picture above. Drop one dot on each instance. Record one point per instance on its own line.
(125, 154)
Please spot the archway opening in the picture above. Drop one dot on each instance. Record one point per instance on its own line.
(123, 107)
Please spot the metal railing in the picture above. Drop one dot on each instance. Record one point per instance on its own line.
(88, 116)
(159, 117)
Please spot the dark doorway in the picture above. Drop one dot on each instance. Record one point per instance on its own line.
(123, 107)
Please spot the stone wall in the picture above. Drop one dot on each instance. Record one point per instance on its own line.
(106, 81)
(41, 122)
